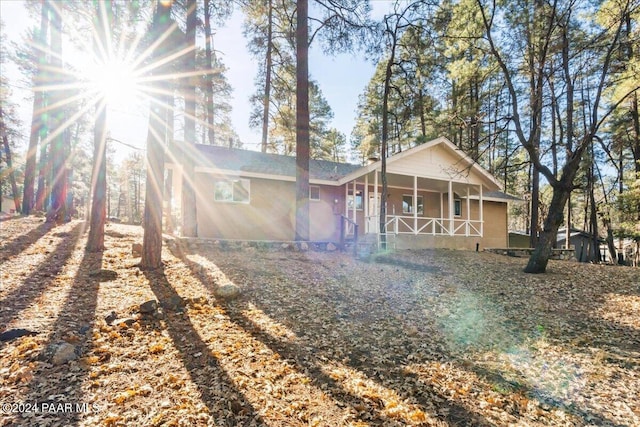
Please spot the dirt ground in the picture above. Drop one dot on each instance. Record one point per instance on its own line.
(433, 337)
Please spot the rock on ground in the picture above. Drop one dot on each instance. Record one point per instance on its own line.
(228, 291)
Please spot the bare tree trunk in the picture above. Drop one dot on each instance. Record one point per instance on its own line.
(302, 122)
(152, 239)
(7, 152)
(95, 241)
(56, 211)
(266, 102)
(542, 252)
(209, 87)
(385, 138)
(535, 206)
(593, 219)
(156, 138)
(37, 130)
(42, 193)
(189, 208)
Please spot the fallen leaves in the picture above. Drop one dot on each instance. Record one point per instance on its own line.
(412, 338)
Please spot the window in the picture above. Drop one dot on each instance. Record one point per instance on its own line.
(358, 201)
(233, 190)
(314, 192)
(457, 207)
(407, 205)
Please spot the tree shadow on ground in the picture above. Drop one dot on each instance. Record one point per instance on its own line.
(309, 359)
(40, 278)
(400, 263)
(356, 331)
(74, 325)
(349, 342)
(188, 342)
(497, 379)
(22, 242)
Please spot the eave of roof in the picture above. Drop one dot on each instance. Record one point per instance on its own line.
(277, 166)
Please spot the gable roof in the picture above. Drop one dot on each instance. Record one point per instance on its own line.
(255, 162)
(467, 161)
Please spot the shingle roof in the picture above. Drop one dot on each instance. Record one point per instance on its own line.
(234, 159)
(501, 195)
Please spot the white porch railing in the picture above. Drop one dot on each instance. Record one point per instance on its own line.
(399, 224)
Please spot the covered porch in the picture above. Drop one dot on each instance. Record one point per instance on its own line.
(415, 205)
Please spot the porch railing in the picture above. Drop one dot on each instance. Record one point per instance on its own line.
(399, 224)
(348, 227)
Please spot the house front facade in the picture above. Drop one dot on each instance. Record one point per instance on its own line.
(437, 197)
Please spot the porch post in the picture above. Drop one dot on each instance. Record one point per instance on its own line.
(353, 212)
(450, 208)
(468, 212)
(366, 203)
(481, 213)
(346, 200)
(415, 204)
(433, 226)
(377, 204)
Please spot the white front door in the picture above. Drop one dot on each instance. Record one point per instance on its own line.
(372, 221)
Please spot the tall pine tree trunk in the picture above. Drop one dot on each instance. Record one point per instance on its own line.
(266, 101)
(385, 142)
(209, 86)
(56, 211)
(42, 193)
(393, 33)
(156, 138)
(302, 122)
(37, 129)
(97, 219)
(8, 158)
(189, 209)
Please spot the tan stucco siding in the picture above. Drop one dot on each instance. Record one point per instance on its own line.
(496, 234)
(324, 214)
(435, 162)
(269, 215)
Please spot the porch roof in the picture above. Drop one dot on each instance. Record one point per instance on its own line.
(456, 172)
(254, 162)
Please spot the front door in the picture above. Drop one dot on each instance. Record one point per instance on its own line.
(372, 221)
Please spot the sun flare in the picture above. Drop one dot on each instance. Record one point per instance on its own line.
(116, 82)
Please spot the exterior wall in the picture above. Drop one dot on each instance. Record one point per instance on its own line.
(436, 162)
(496, 234)
(269, 215)
(324, 214)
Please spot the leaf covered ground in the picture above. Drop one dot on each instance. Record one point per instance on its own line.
(431, 337)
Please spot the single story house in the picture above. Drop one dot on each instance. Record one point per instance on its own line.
(437, 197)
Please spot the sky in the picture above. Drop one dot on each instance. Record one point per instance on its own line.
(342, 78)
